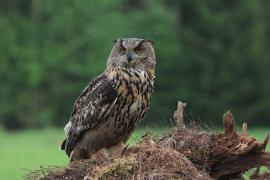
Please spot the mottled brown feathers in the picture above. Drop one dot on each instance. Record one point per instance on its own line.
(88, 109)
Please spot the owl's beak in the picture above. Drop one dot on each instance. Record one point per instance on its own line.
(129, 57)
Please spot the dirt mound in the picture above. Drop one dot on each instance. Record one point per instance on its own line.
(147, 160)
(185, 153)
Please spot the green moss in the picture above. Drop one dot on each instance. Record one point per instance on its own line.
(122, 167)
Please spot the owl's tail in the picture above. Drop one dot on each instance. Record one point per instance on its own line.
(63, 144)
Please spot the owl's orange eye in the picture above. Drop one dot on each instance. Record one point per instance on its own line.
(122, 50)
(139, 49)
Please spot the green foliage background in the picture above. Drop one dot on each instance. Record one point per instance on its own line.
(212, 54)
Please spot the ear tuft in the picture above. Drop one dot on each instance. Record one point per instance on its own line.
(117, 40)
(150, 41)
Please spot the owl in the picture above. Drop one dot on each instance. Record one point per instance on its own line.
(111, 106)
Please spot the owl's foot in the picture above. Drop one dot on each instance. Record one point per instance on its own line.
(117, 150)
(101, 154)
(78, 154)
(111, 152)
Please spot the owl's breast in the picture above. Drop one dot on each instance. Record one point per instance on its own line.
(134, 94)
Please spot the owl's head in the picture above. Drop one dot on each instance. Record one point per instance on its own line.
(133, 53)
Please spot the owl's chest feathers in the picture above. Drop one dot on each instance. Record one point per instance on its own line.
(129, 82)
(134, 89)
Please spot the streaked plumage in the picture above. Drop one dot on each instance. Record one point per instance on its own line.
(112, 105)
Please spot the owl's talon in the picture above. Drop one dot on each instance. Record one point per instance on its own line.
(124, 150)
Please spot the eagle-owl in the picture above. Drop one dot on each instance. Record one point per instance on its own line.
(111, 106)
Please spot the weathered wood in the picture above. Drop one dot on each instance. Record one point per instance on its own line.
(240, 164)
(179, 115)
(244, 129)
(265, 141)
(229, 126)
(232, 153)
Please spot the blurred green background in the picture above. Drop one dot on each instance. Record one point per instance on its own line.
(214, 55)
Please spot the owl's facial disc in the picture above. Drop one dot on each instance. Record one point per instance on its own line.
(132, 53)
(127, 47)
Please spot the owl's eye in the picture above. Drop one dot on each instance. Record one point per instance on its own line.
(139, 49)
(122, 50)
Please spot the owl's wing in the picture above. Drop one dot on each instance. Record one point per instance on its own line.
(95, 102)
